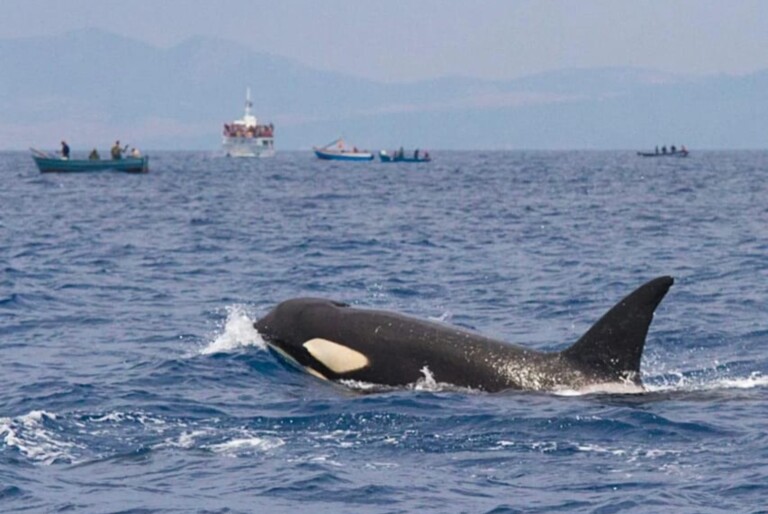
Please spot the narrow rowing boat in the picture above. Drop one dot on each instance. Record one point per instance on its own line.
(677, 153)
(50, 164)
(400, 157)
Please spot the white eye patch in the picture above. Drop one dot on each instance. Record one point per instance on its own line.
(336, 357)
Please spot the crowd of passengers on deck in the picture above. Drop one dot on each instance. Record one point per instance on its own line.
(251, 131)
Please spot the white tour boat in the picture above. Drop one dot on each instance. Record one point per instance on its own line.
(246, 138)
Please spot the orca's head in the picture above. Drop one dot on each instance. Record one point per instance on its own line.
(305, 331)
(285, 324)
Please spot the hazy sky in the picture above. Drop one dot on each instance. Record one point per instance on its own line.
(396, 40)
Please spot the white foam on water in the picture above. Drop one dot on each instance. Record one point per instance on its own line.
(596, 448)
(112, 417)
(28, 434)
(237, 332)
(133, 417)
(631, 453)
(545, 446)
(687, 383)
(672, 382)
(382, 465)
(754, 380)
(185, 440)
(248, 445)
(364, 387)
(603, 388)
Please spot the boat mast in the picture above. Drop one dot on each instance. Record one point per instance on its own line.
(249, 120)
(248, 103)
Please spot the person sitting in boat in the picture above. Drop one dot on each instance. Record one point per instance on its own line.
(135, 153)
(673, 148)
(64, 150)
(94, 155)
(416, 154)
(117, 150)
(664, 149)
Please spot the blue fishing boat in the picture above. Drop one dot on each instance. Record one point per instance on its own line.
(342, 153)
(678, 153)
(399, 156)
(47, 163)
(673, 152)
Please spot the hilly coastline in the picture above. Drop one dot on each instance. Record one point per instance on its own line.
(91, 86)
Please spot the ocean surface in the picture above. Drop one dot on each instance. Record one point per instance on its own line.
(133, 381)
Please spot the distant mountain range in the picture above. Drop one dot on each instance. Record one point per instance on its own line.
(92, 87)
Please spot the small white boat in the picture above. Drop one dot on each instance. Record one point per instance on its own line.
(342, 153)
(246, 137)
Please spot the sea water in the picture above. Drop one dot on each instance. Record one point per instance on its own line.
(133, 379)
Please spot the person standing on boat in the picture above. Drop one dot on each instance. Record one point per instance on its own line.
(117, 150)
(64, 150)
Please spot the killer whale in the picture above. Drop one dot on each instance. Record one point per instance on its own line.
(337, 342)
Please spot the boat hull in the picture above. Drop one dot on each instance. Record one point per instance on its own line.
(668, 154)
(128, 165)
(389, 158)
(248, 147)
(335, 155)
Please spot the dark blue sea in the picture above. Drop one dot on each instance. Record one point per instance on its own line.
(133, 381)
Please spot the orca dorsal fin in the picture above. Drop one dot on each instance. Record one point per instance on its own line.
(612, 347)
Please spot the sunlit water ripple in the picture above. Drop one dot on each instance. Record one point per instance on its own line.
(134, 381)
